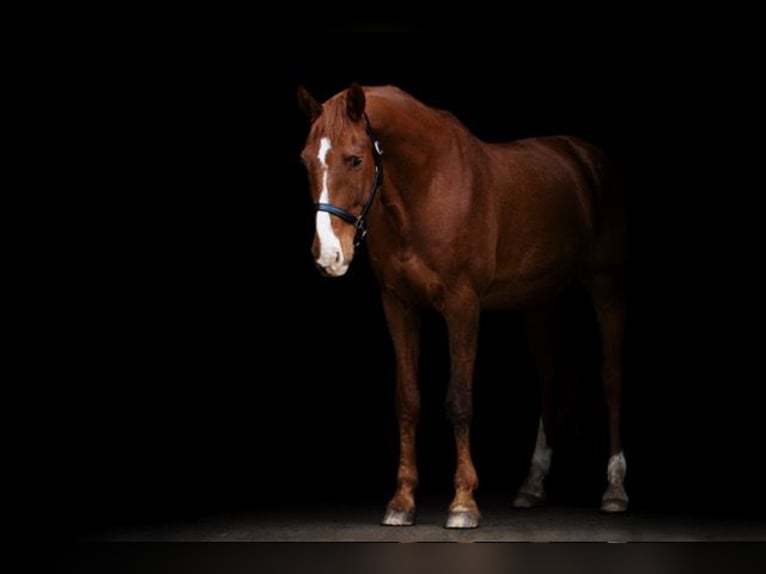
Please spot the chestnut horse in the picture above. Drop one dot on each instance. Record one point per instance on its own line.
(460, 225)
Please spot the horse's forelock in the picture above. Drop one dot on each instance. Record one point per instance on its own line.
(334, 120)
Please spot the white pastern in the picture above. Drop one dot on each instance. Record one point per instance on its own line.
(532, 492)
(615, 499)
(616, 469)
(331, 257)
(541, 459)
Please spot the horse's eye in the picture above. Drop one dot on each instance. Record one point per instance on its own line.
(356, 161)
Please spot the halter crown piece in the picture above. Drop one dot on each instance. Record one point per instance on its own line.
(360, 221)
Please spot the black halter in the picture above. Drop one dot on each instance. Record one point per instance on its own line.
(360, 222)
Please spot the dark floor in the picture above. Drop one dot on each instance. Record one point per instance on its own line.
(550, 524)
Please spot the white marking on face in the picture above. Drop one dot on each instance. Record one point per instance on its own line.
(331, 257)
(324, 147)
(616, 469)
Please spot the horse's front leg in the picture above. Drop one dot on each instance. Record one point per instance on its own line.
(404, 326)
(462, 317)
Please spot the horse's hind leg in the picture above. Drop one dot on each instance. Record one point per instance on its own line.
(532, 491)
(461, 314)
(404, 326)
(608, 298)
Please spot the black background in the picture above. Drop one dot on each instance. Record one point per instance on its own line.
(188, 358)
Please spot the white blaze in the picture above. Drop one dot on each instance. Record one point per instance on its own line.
(324, 147)
(330, 250)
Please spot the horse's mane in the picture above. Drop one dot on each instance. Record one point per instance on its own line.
(336, 119)
(394, 94)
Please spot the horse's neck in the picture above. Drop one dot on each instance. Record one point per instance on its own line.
(421, 147)
(409, 152)
(402, 182)
(410, 129)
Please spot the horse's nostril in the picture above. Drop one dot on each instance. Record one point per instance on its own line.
(337, 257)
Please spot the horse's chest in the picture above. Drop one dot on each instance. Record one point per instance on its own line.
(410, 278)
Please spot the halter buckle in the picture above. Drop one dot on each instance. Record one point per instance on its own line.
(361, 231)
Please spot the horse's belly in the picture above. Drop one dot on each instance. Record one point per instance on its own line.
(538, 276)
(517, 295)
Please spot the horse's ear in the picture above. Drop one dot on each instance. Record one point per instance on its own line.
(309, 105)
(355, 102)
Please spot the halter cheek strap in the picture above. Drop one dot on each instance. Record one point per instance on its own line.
(360, 221)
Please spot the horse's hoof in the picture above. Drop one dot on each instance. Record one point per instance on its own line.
(613, 505)
(463, 519)
(399, 518)
(615, 499)
(528, 500)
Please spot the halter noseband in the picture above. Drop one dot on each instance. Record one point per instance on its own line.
(360, 222)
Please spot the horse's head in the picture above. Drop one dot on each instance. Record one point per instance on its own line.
(342, 167)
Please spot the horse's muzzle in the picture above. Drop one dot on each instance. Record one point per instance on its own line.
(336, 268)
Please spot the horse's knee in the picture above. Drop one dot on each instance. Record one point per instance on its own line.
(408, 410)
(459, 404)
